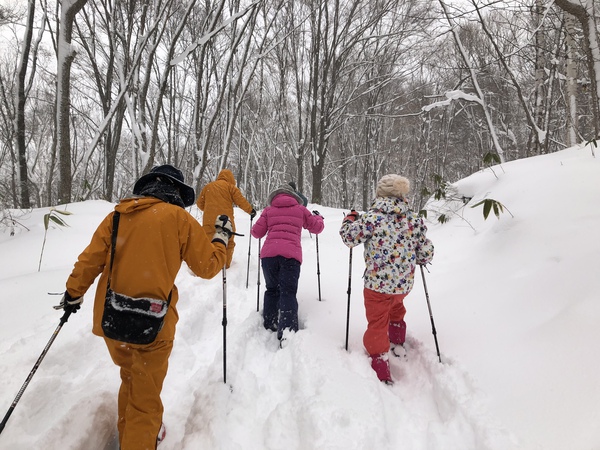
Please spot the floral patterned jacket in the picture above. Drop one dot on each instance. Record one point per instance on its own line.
(395, 241)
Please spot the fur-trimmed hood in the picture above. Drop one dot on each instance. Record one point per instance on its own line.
(285, 189)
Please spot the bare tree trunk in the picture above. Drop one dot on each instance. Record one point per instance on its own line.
(7, 131)
(584, 12)
(65, 56)
(572, 124)
(20, 108)
(540, 69)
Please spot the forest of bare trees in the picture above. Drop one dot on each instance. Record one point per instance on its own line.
(331, 94)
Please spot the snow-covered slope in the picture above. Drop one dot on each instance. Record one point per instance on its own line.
(514, 300)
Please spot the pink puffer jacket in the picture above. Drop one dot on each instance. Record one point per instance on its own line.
(282, 222)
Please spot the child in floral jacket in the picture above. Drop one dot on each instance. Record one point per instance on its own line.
(395, 243)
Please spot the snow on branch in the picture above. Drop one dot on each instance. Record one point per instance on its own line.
(452, 95)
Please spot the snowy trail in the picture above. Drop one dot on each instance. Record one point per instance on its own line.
(311, 394)
(295, 397)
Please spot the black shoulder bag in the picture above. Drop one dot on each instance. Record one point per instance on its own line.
(129, 319)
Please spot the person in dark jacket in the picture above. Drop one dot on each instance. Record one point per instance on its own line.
(155, 234)
(281, 256)
(395, 241)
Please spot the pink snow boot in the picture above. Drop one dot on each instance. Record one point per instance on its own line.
(397, 332)
(381, 366)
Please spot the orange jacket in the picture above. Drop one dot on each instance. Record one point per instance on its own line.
(153, 238)
(218, 197)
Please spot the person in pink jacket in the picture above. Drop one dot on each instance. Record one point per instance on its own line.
(281, 256)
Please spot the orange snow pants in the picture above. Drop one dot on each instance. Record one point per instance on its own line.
(143, 370)
(381, 309)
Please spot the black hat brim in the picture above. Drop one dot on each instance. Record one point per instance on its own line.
(187, 192)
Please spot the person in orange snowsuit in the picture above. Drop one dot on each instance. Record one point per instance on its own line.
(154, 235)
(219, 197)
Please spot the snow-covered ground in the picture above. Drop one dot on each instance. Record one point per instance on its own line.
(516, 309)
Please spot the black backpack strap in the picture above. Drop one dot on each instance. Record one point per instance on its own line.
(113, 244)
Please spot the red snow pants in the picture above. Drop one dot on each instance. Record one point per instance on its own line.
(381, 309)
(143, 370)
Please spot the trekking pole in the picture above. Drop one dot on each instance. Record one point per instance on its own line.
(430, 314)
(349, 291)
(249, 246)
(224, 325)
(258, 279)
(63, 320)
(318, 266)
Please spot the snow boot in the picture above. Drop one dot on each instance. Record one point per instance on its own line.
(399, 351)
(397, 332)
(161, 434)
(381, 366)
(283, 343)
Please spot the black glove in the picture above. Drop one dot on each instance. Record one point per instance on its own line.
(316, 213)
(223, 230)
(252, 214)
(69, 304)
(351, 217)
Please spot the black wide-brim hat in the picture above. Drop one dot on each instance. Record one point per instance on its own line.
(172, 174)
